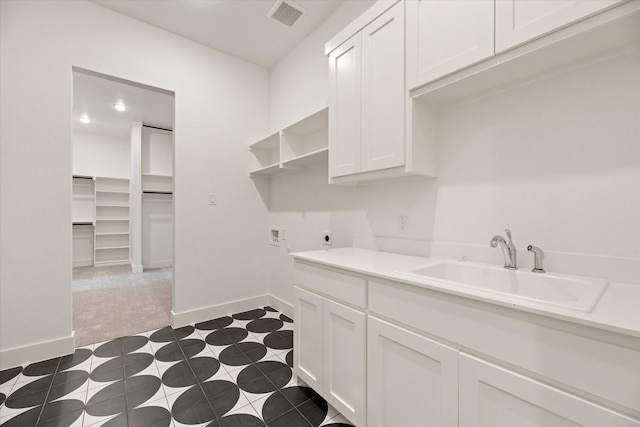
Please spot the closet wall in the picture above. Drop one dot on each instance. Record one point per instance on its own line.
(101, 155)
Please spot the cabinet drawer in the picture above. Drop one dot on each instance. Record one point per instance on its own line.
(574, 355)
(344, 287)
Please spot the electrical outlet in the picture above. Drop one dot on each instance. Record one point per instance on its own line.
(327, 238)
(274, 236)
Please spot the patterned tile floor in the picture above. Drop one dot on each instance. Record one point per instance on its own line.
(233, 371)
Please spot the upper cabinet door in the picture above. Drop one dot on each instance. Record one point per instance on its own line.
(518, 21)
(383, 91)
(444, 36)
(345, 112)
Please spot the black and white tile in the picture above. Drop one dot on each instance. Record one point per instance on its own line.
(228, 372)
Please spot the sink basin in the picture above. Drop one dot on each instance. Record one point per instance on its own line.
(572, 292)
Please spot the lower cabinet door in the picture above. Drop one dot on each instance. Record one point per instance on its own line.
(412, 380)
(307, 337)
(491, 396)
(345, 361)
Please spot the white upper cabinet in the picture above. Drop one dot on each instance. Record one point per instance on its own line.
(345, 112)
(458, 48)
(372, 132)
(444, 36)
(518, 21)
(383, 93)
(367, 100)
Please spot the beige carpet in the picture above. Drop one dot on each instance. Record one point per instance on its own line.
(112, 302)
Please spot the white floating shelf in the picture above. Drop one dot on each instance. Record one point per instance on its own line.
(295, 147)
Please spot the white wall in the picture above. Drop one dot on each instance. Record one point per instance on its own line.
(557, 160)
(101, 155)
(220, 102)
(304, 204)
(299, 82)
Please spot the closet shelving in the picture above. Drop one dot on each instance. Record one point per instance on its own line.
(154, 232)
(154, 183)
(82, 216)
(293, 148)
(112, 221)
(82, 200)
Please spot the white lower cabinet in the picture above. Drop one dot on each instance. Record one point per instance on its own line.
(329, 352)
(345, 360)
(412, 380)
(389, 354)
(308, 342)
(492, 396)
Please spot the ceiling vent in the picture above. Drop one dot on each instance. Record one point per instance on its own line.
(286, 12)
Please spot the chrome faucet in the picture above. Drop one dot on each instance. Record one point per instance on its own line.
(508, 250)
(538, 256)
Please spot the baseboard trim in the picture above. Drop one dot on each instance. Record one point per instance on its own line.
(136, 268)
(158, 264)
(180, 319)
(83, 263)
(282, 306)
(21, 356)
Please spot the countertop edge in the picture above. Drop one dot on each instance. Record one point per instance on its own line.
(331, 258)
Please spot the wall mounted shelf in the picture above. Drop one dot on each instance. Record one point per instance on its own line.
(295, 147)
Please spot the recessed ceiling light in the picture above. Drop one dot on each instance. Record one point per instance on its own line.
(85, 119)
(120, 106)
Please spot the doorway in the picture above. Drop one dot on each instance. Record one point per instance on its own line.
(122, 207)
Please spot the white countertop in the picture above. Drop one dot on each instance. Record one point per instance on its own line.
(617, 310)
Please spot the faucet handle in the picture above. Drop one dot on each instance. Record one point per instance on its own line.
(508, 233)
(511, 245)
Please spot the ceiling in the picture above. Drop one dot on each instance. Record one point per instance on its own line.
(238, 27)
(96, 95)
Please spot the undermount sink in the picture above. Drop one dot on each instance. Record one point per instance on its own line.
(572, 292)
